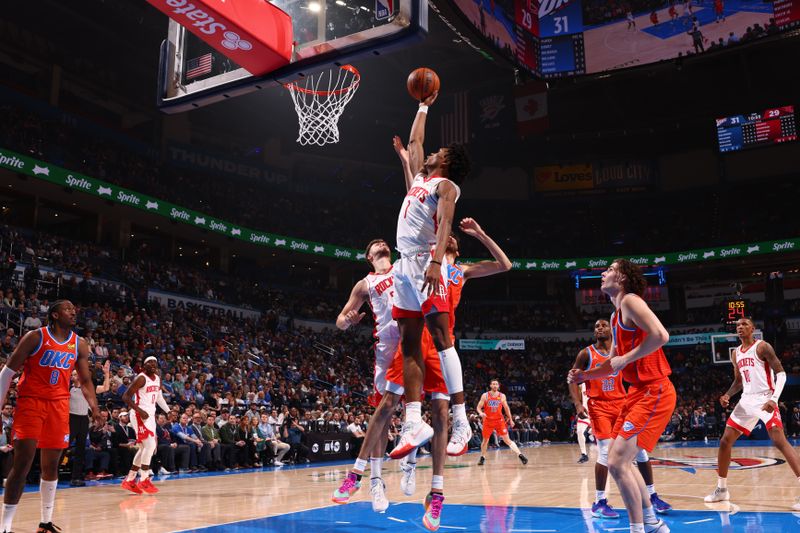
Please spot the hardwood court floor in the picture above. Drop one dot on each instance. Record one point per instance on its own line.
(545, 495)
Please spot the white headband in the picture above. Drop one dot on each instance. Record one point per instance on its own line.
(151, 358)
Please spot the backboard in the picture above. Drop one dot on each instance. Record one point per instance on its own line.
(327, 33)
(723, 345)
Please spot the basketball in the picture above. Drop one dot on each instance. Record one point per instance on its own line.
(422, 83)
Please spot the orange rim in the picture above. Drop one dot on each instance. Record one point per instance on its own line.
(349, 68)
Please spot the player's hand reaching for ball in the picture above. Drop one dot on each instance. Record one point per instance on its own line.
(401, 150)
(431, 99)
(471, 227)
(353, 317)
(770, 406)
(724, 400)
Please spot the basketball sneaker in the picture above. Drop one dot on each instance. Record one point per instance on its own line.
(601, 509)
(459, 439)
(378, 492)
(523, 459)
(584, 459)
(131, 486)
(350, 486)
(147, 486)
(408, 483)
(658, 527)
(49, 527)
(719, 495)
(413, 435)
(433, 511)
(481, 461)
(659, 505)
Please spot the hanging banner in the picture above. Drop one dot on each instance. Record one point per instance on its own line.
(179, 301)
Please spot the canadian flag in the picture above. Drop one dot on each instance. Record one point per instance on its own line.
(531, 103)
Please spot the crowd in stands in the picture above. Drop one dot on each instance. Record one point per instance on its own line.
(299, 214)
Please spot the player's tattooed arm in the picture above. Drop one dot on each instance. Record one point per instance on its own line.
(349, 314)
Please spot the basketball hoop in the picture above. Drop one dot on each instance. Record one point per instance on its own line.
(320, 101)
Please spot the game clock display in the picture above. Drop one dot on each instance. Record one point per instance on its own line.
(734, 310)
(756, 129)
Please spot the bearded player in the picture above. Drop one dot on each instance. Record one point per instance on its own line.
(638, 336)
(606, 399)
(491, 407)
(376, 289)
(423, 230)
(759, 374)
(41, 420)
(141, 398)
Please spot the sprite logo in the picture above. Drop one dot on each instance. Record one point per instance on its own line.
(295, 245)
(254, 237)
(730, 252)
(342, 253)
(78, 183)
(786, 245)
(179, 213)
(597, 263)
(690, 256)
(639, 260)
(551, 265)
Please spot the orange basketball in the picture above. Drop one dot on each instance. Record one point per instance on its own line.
(422, 83)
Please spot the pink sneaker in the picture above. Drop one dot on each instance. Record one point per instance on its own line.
(350, 486)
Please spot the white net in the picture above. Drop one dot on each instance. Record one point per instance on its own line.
(320, 100)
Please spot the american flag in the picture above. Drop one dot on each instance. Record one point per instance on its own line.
(198, 66)
(455, 124)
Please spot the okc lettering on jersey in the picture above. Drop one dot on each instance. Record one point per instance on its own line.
(381, 287)
(56, 359)
(454, 275)
(494, 404)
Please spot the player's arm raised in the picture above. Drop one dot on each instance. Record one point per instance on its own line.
(416, 152)
(581, 362)
(735, 387)
(87, 384)
(402, 153)
(349, 314)
(766, 353)
(482, 269)
(444, 215)
(127, 397)
(481, 403)
(27, 345)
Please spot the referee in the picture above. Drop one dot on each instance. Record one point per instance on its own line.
(79, 422)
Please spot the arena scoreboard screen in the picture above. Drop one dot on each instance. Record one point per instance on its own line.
(733, 310)
(772, 126)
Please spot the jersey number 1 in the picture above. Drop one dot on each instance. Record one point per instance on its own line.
(746, 374)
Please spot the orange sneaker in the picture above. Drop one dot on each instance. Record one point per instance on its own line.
(147, 486)
(131, 486)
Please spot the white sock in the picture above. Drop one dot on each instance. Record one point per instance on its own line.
(412, 457)
(722, 482)
(649, 515)
(437, 482)
(599, 495)
(8, 516)
(460, 413)
(637, 528)
(651, 489)
(581, 440)
(375, 466)
(360, 465)
(451, 370)
(144, 474)
(47, 491)
(413, 412)
(131, 475)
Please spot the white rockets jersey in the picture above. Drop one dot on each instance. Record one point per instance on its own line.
(381, 300)
(757, 376)
(145, 397)
(417, 224)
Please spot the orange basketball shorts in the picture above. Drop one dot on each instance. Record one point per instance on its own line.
(46, 421)
(434, 380)
(647, 411)
(603, 415)
(491, 425)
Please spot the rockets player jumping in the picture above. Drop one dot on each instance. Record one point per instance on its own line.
(423, 229)
(142, 397)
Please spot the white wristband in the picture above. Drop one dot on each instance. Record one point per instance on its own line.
(423, 109)
(6, 377)
(780, 382)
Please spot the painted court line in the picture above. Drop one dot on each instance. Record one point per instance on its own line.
(700, 521)
(452, 527)
(532, 530)
(396, 519)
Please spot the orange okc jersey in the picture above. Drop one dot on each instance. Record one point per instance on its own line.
(48, 369)
(494, 406)
(605, 389)
(649, 368)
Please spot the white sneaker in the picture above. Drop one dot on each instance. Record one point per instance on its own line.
(660, 527)
(278, 463)
(164, 472)
(413, 435)
(408, 483)
(378, 492)
(719, 495)
(459, 439)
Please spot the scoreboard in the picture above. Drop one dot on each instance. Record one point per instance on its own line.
(734, 310)
(772, 126)
(557, 30)
(787, 13)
